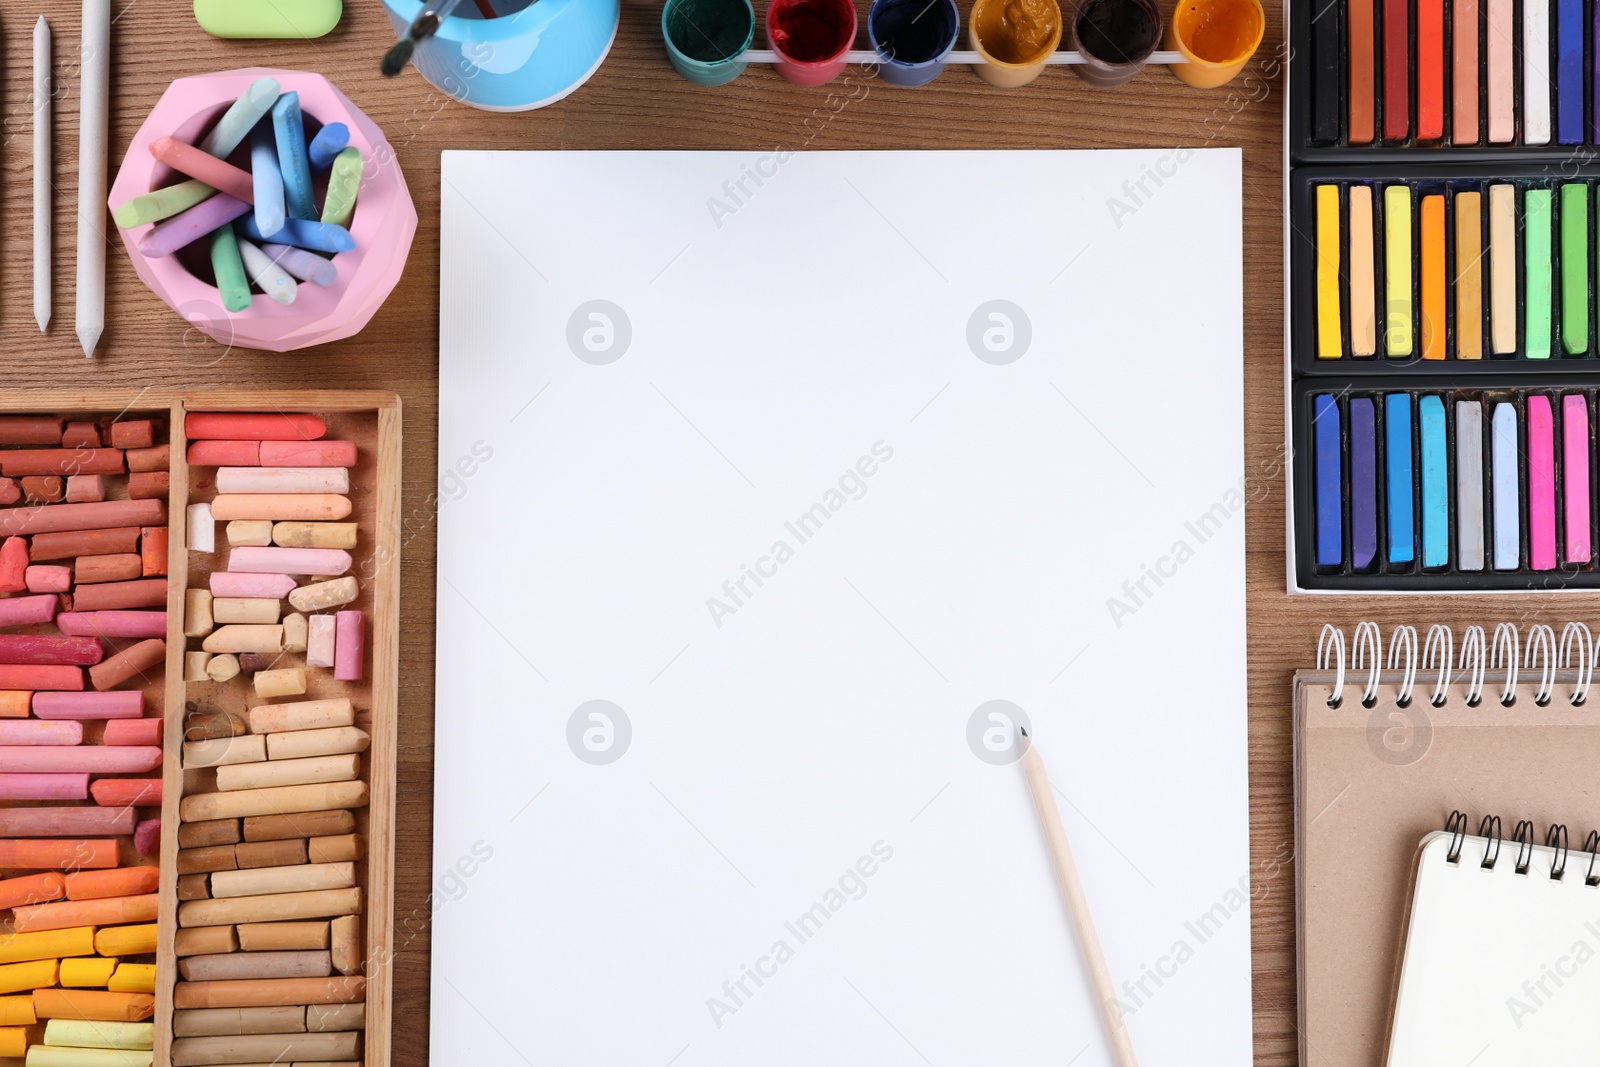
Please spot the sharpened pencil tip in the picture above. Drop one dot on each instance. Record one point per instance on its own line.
(43, 319)
(89, 339)
(1023, 730)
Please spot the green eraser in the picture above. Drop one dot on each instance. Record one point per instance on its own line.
(280, 18)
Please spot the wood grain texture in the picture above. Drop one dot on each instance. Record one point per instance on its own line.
(633, 102)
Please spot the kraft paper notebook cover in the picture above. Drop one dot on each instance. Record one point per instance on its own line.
(1372, 777)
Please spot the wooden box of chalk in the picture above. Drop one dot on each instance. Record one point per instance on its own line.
(279, 813)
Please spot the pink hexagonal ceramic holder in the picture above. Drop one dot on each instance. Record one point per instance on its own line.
(384, 223)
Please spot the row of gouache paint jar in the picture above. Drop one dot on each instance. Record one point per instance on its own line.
(708, 41)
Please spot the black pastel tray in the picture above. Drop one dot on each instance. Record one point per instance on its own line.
(1411, 577)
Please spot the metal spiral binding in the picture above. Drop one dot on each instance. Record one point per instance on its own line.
(1523, 836)
(1542, 647)
(1505, 652)
(1330, 645)
(1591, 845)
(1489, 829)
(1456, 827)
(1576, 638)
(1403, 642)
(1440, 648)
(1576, 652)
(1368, 653)
(1556, 838)
(1474, 649)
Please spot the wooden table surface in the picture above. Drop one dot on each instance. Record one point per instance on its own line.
(635, 101)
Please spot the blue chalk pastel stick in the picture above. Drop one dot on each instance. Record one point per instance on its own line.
(1330, 484)
(268, 183)
(237, 122)
(328, 143)
(1504, 489)
(1363, 483)
(290, 133)
(1397, 468)
(317, 236)
(1435, 483)
(1569, 71)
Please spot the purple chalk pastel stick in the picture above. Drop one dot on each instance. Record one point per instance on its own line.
(187, 228)
(307, 266)
(1363, 483)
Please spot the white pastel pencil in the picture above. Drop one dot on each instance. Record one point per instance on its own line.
(1094, 959)
(93, 131)
(42, 132)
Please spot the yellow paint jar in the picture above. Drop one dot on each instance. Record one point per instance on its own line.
(1216, 39)
(1013, 38)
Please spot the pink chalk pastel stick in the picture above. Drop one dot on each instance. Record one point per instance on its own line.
(66, 822)
(48, 578)
(349, 645)
(273, 560)
(117, 704)
(34, 732)
(1541, 485)
(132, 732)
(1575, 476)
(31, 676)
(235, 583)
(48, 648)
(77, 759)
(116, 623)
(44, 786)
(28, 610)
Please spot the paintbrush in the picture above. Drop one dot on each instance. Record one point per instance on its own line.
(425, 25)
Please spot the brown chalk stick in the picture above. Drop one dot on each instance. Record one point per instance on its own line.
(155, 458)
(253, 855)
(101, 515)
(77, 543)
(205, 860)
(93, 1004)
(112, 596)
(118, 567)
(81, 434)
(344, 848)
(267, 991)
(238, 965)
(194, 887)
(296, 878)
(311, 771)
(318, 904)
(149, 485)
(214, 832)
(307, 824)
(282, 937)
(320, 1017)
(263, 1048)
(280, 800)
(24, 461)
(133, 433)
(30, 430)
(345, 944)
(217, 1022)
(201, 940)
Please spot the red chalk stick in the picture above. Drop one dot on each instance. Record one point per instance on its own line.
(248, 426)
(31, 676)
(120, 567)
(135, 433)
(10, 492)
(61, 461)
(122, 882)
(149, 485)
(13, 565)
(28, 610)
(30, 430)
(66, 822)
(78, 759)
(143, 593)
(46, 648)
(103, 515)
(48, 578)
(147, 837)
(132, 731)
(44, 787)
(32, 889)
(307, 454)
(127, 792)
(60, 855)
(76, 543)
(113, 623)
(1396, 70)
(225, 454)
(123, 704)
(34, 732)
(86, 488)
(80, 435)
(136, 660)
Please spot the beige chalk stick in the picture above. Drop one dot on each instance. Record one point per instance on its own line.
(95, 1033)
(263, 991)
(303, 825)
(235, 965)
(315, 535)
(253, 854)
(309, 771)
(320, 1017)
(322, 595)
(231, 609)
(310, 507)
(223, 667)
(294, 632)
(197, 618)
(300, 878)
(249, 533)
(296, 744)
(282, 800)
(302, 715)
(194, 666)
(224, 751)
(263, 1048)
(320, 640)
(266, 640)
(216, 1022)
(205, 939)
(283, 480)
(282, 937)
(338, 849)
(315, 904)
(345, 944)
(283, 682)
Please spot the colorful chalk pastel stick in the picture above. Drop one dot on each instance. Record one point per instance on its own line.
(1399, 472)
(1330, 482)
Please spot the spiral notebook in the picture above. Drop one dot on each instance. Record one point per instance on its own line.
(1388, 743)
(1502, 951)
